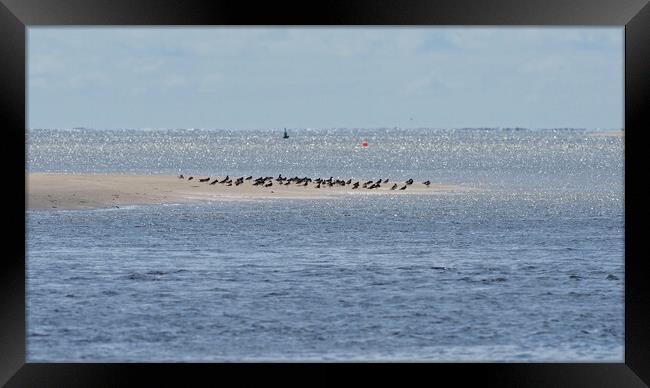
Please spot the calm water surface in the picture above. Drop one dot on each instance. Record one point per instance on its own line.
(529, 266)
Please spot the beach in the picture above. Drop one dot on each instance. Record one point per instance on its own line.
(57, 191)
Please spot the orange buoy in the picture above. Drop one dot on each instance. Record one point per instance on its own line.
(364, 143)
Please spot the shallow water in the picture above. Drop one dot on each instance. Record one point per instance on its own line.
(529, 267)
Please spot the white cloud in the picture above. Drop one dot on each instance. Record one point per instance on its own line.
(93, 79)
(174, 80)
(379, 70)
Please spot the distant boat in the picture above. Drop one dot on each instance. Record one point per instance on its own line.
(286, 136)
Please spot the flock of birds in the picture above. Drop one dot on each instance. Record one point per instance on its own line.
(268, 181)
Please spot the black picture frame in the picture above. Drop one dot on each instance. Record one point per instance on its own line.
(17, 15)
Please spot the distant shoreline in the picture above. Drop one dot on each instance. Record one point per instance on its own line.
(608, 133)
(59, 191)
(328, 129)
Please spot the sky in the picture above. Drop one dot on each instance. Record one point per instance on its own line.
(277, 77)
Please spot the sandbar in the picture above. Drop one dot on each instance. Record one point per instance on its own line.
(59, 191)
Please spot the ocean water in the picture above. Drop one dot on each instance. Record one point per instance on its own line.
(527, 266)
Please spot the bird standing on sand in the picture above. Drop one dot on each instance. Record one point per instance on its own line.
(181, 176)
(190, 178)
(394, 186)
(409, 182)
(214, 181)
(225, 179)
(427, 183)
(403, 187)
(268, 184)
(249, 178)
(204, 179)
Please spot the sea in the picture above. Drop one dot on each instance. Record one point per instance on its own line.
(525, 264)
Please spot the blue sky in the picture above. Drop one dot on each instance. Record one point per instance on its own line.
(358, 77)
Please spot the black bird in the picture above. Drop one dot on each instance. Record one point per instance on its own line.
(288, 183)
(204, 179)
(249, 178)
(214, 181)
(356, 185)
(229, 183)
(268, 184)
(225, 179)
(379, 181)
(190, 178)
(239, 183)
(305, 184)
(403, 187)
(394, 186)
(181, 176)
(427, 183)
(318, 185)
(409, 182)
(348, 182)
(386, 181)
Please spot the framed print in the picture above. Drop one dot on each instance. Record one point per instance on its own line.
(439, 187)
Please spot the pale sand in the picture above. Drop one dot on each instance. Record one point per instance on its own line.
(608, 133)
(90, 191)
